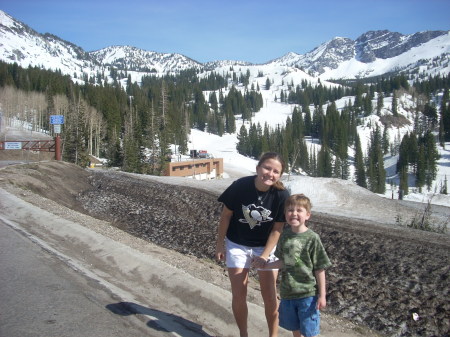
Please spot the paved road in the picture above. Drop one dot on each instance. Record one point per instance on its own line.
(41, 296)
(61, 279)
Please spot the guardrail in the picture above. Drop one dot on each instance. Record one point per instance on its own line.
(31, 145)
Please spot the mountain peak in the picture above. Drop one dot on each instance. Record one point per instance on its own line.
(339, 57)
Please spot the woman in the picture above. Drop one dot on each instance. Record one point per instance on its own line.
(250, 224)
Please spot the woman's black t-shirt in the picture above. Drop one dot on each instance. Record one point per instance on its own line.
(252, 219)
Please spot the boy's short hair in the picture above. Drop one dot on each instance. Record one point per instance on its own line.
(298, 200)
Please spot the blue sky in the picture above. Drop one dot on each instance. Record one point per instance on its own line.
(208, 30)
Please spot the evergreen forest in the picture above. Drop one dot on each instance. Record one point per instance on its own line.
(134, 125)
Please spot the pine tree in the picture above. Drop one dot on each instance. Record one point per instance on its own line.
(377, 174)
(359, 164)
(441, 134)
(403, 158)
(298, 127)
(254, 141)
(367, 105)
(243, 141)
(371, 175)
(337, 168)
(421, 168)
(381, 173)
(444, 111)
(115, 154)
(385, 141)
(403, 186)
(317, 122)
(432, 156)
(76, 134)
(230, 124)
(131, 148)
(303, 160)
(413, 151)
(324, 162)
(380, 103)
(313, 163)
(307, 121)
(394, 104)
(213, 101)
(151, 141)
(267, 84)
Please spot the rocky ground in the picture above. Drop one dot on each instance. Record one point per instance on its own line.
(381, 275)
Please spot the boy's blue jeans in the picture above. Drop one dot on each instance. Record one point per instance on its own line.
(300, 314)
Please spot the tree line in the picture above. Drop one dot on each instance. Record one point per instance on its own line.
(336, 131)
(133, 126)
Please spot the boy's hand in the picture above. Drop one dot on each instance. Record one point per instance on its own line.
(258, 262)
(321, 302)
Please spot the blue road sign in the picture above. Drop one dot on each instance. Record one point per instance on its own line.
(56, 119)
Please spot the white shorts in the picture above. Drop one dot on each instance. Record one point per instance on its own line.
(240, 256)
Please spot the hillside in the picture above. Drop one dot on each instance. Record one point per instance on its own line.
(375, 53)
(402, 269)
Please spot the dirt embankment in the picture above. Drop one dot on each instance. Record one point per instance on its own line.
(380, 277)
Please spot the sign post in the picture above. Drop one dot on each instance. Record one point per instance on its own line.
(56, 121)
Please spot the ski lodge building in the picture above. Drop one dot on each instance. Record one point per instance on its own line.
(200, 169)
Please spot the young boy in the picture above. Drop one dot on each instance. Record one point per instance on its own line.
(302, 261)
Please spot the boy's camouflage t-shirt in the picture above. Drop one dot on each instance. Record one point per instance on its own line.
(302, 254)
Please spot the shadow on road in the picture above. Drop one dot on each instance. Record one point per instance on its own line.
(179, 325)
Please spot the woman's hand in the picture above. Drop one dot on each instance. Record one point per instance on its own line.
(220, 252)
(224, 222)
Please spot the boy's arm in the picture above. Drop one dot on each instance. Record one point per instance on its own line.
(321, 287)
(278, 264)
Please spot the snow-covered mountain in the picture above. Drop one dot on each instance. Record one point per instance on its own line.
(19, 43)
(376, 53)
(135, 59)
(373, 53)
(23, 45)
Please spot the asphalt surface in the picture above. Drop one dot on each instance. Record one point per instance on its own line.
(42, 296)
(59, 278)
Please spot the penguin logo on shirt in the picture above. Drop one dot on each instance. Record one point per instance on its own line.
(255, 215)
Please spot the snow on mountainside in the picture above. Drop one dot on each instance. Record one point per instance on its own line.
(135, 59)
(19, 43)
(224, 63)
(326, 56)
(373, 53)
(376, 53)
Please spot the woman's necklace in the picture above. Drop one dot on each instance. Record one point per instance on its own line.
(261, 197)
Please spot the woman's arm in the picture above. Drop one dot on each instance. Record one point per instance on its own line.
(224, 222)
(322, 296)
(272, 241)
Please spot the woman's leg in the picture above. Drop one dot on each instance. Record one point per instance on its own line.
(267, 281)
(239, 282)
